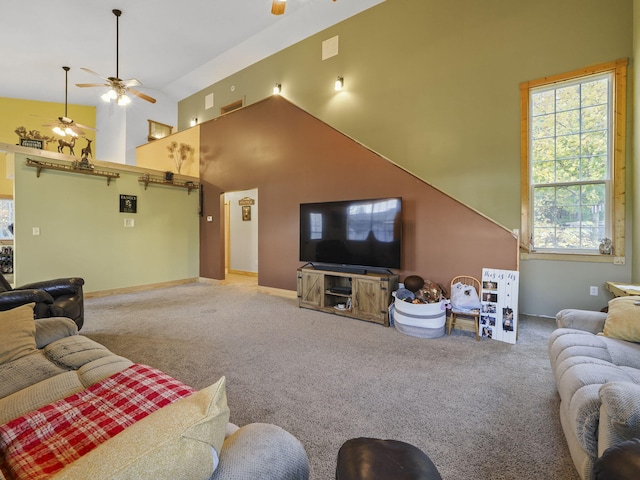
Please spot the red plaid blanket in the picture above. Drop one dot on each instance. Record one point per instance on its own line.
(42, 442)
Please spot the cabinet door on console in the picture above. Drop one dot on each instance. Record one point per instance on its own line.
(370, 299)
(310, 288)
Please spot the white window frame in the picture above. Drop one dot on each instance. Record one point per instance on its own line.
(615, 183)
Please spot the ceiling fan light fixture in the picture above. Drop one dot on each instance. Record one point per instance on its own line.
(118, 88)
(70, 132)
(58, 131)
(123, 100)
(109, 95)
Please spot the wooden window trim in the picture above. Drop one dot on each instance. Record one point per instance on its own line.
(618, 176)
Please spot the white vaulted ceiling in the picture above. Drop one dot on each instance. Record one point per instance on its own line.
(174, 48)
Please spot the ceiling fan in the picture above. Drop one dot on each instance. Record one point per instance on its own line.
(277, 6)
(118, 88)
(65, 126)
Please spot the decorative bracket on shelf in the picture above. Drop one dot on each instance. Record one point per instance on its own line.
(40, 165)
(147, 179)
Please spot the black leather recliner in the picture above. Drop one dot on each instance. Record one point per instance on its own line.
(61, 297)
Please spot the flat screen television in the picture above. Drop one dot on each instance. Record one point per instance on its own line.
(364, 233)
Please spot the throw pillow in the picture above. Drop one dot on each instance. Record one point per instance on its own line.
(181, 440)
(17, 330)
(623, 319)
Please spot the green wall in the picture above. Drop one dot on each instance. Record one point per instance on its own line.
(434, 87)
(82, 231)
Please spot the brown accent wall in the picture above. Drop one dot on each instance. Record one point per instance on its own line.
(292, 157)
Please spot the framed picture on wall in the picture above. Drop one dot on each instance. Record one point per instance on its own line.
(246, 213)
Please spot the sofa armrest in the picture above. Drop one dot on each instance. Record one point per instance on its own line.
(57, 286)
(48, 330)
(619, 414)
(586, 320)
(620, 462)
(264, 451)
(15, 298)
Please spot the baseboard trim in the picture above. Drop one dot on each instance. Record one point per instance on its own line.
(242, 272)
(139, 288)
(278, 292)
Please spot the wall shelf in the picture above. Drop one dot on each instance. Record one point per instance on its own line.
(40, 165)
(169, 183)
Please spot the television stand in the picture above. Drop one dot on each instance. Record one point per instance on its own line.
(365, 296)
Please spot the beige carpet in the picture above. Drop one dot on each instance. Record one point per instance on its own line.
(480, 410)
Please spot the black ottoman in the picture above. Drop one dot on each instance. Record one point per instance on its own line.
(374, 459)
(619, 462)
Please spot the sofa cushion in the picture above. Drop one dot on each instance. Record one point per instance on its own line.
(181, 440)
(101, 368)
(61, 385)
(17, 330)
(48, 330)
(25, 371)
(75, 351)
(623, 319)
(38, 395)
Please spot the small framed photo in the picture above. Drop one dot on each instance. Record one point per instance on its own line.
(246, 213)
(128, 204)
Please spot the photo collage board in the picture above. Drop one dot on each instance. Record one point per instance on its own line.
(499, 305)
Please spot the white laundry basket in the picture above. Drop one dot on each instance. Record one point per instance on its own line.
(424, 320)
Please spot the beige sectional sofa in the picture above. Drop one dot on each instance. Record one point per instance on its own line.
(595, 358)
(47, 360)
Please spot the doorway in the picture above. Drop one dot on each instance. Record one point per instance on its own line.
(241, 235)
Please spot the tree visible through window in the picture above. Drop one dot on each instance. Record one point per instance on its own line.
(570, 167)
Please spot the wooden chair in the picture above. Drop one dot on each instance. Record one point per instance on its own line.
(467, 315)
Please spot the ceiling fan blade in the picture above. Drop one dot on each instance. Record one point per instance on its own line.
(277, 7)
(141, 95)
(75, 129)
(83, 85)
(94, 73)
(132, 82)
(86, 127)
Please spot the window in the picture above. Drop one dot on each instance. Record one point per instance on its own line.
(6, 218)
(573, 146)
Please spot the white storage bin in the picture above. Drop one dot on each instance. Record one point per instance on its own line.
(424, 320)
